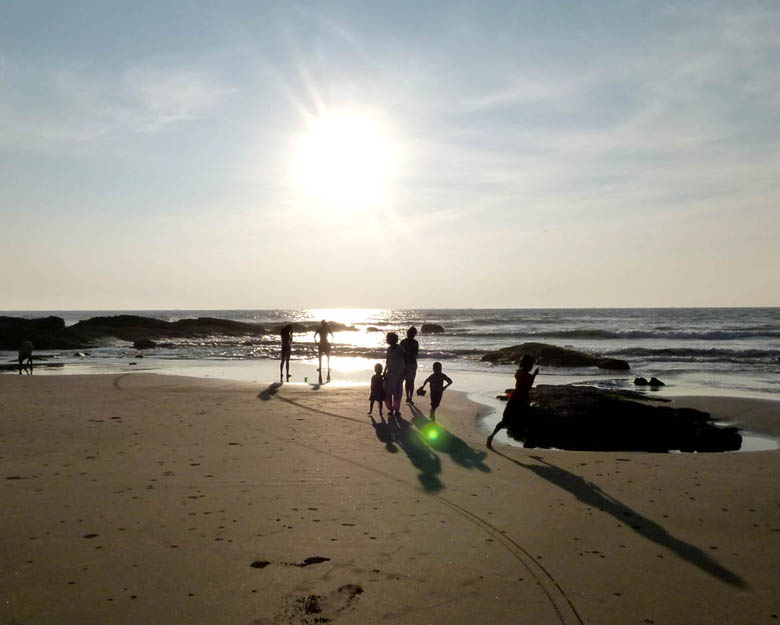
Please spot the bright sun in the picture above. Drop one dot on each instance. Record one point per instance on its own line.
(345, 160)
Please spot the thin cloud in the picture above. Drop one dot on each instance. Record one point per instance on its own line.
(74, 104)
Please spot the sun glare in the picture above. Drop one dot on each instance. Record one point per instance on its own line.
(345, 160)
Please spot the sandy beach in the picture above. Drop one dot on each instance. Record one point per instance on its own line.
(141, 498)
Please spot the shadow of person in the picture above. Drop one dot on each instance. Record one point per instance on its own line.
(384, 433)
(444, 441)
(271, 390)
(423, 458)
(591, 495)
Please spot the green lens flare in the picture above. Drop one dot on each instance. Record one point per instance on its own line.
(432, 431)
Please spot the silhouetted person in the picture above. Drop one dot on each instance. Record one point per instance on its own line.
(377, 390)
(286, 333)
(395, 366)
(25, 357)
(411, 348)
(519, 403)
(323, 345)
(436, 380)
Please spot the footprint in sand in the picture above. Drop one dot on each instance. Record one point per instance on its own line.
(311, 609)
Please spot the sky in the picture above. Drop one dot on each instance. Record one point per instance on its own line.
(249, 154)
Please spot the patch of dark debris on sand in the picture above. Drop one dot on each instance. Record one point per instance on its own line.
(261, 564)
(313, 609)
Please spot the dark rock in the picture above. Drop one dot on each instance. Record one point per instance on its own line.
(640, 382)
(613, 364)
(552, 356)
(144, 344)
(134, 328)
(586, 418)
(44, 333)
(51, 333)
(79, 355)
(656, 382)
(431, 328)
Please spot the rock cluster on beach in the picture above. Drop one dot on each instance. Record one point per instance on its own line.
(590, 419)
(51, 332)
(553, 356)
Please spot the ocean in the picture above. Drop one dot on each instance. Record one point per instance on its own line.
(723, 351)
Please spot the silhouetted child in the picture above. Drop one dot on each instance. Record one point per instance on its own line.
(436, 380)
(377, 390)
(519, 403)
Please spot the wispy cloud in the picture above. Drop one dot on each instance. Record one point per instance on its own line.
(44, 108)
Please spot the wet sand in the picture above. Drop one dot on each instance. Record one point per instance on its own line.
(141, 498)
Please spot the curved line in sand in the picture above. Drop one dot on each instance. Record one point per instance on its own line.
(563, 605)
(116, 381)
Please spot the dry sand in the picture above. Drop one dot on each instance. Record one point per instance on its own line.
(140, 498)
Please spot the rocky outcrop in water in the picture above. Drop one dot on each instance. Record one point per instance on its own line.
(51, 333)
(590, 419)
(431, 328)
(44, 333)
(553, 356)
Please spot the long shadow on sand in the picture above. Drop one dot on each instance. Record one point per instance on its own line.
(271, 390)
(384, 433)
(397, 431)
(593, 496)
(446, 442)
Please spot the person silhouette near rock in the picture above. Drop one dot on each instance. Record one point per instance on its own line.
(520, 401)
(286, 333)
(25, 357)
(323, 345)
(411, 348)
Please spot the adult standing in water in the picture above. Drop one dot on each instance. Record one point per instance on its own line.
(395, 367)
(286, 333)
(323, 345)
(411, 348)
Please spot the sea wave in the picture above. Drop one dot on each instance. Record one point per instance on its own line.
(714, 355)
(696, 335)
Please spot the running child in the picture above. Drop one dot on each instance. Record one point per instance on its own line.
(436, 380)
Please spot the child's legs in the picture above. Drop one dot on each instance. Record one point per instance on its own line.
(499, 426)
(435, 400)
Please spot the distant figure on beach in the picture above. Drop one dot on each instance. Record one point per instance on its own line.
(411, 348)
(519, 403)
(395, 369)
(323, 346)
(377, 390)
(25, 357)
(436, 380)
(286, 333)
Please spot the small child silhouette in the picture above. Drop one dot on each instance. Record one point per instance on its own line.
(436, 380)
(377, 389)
